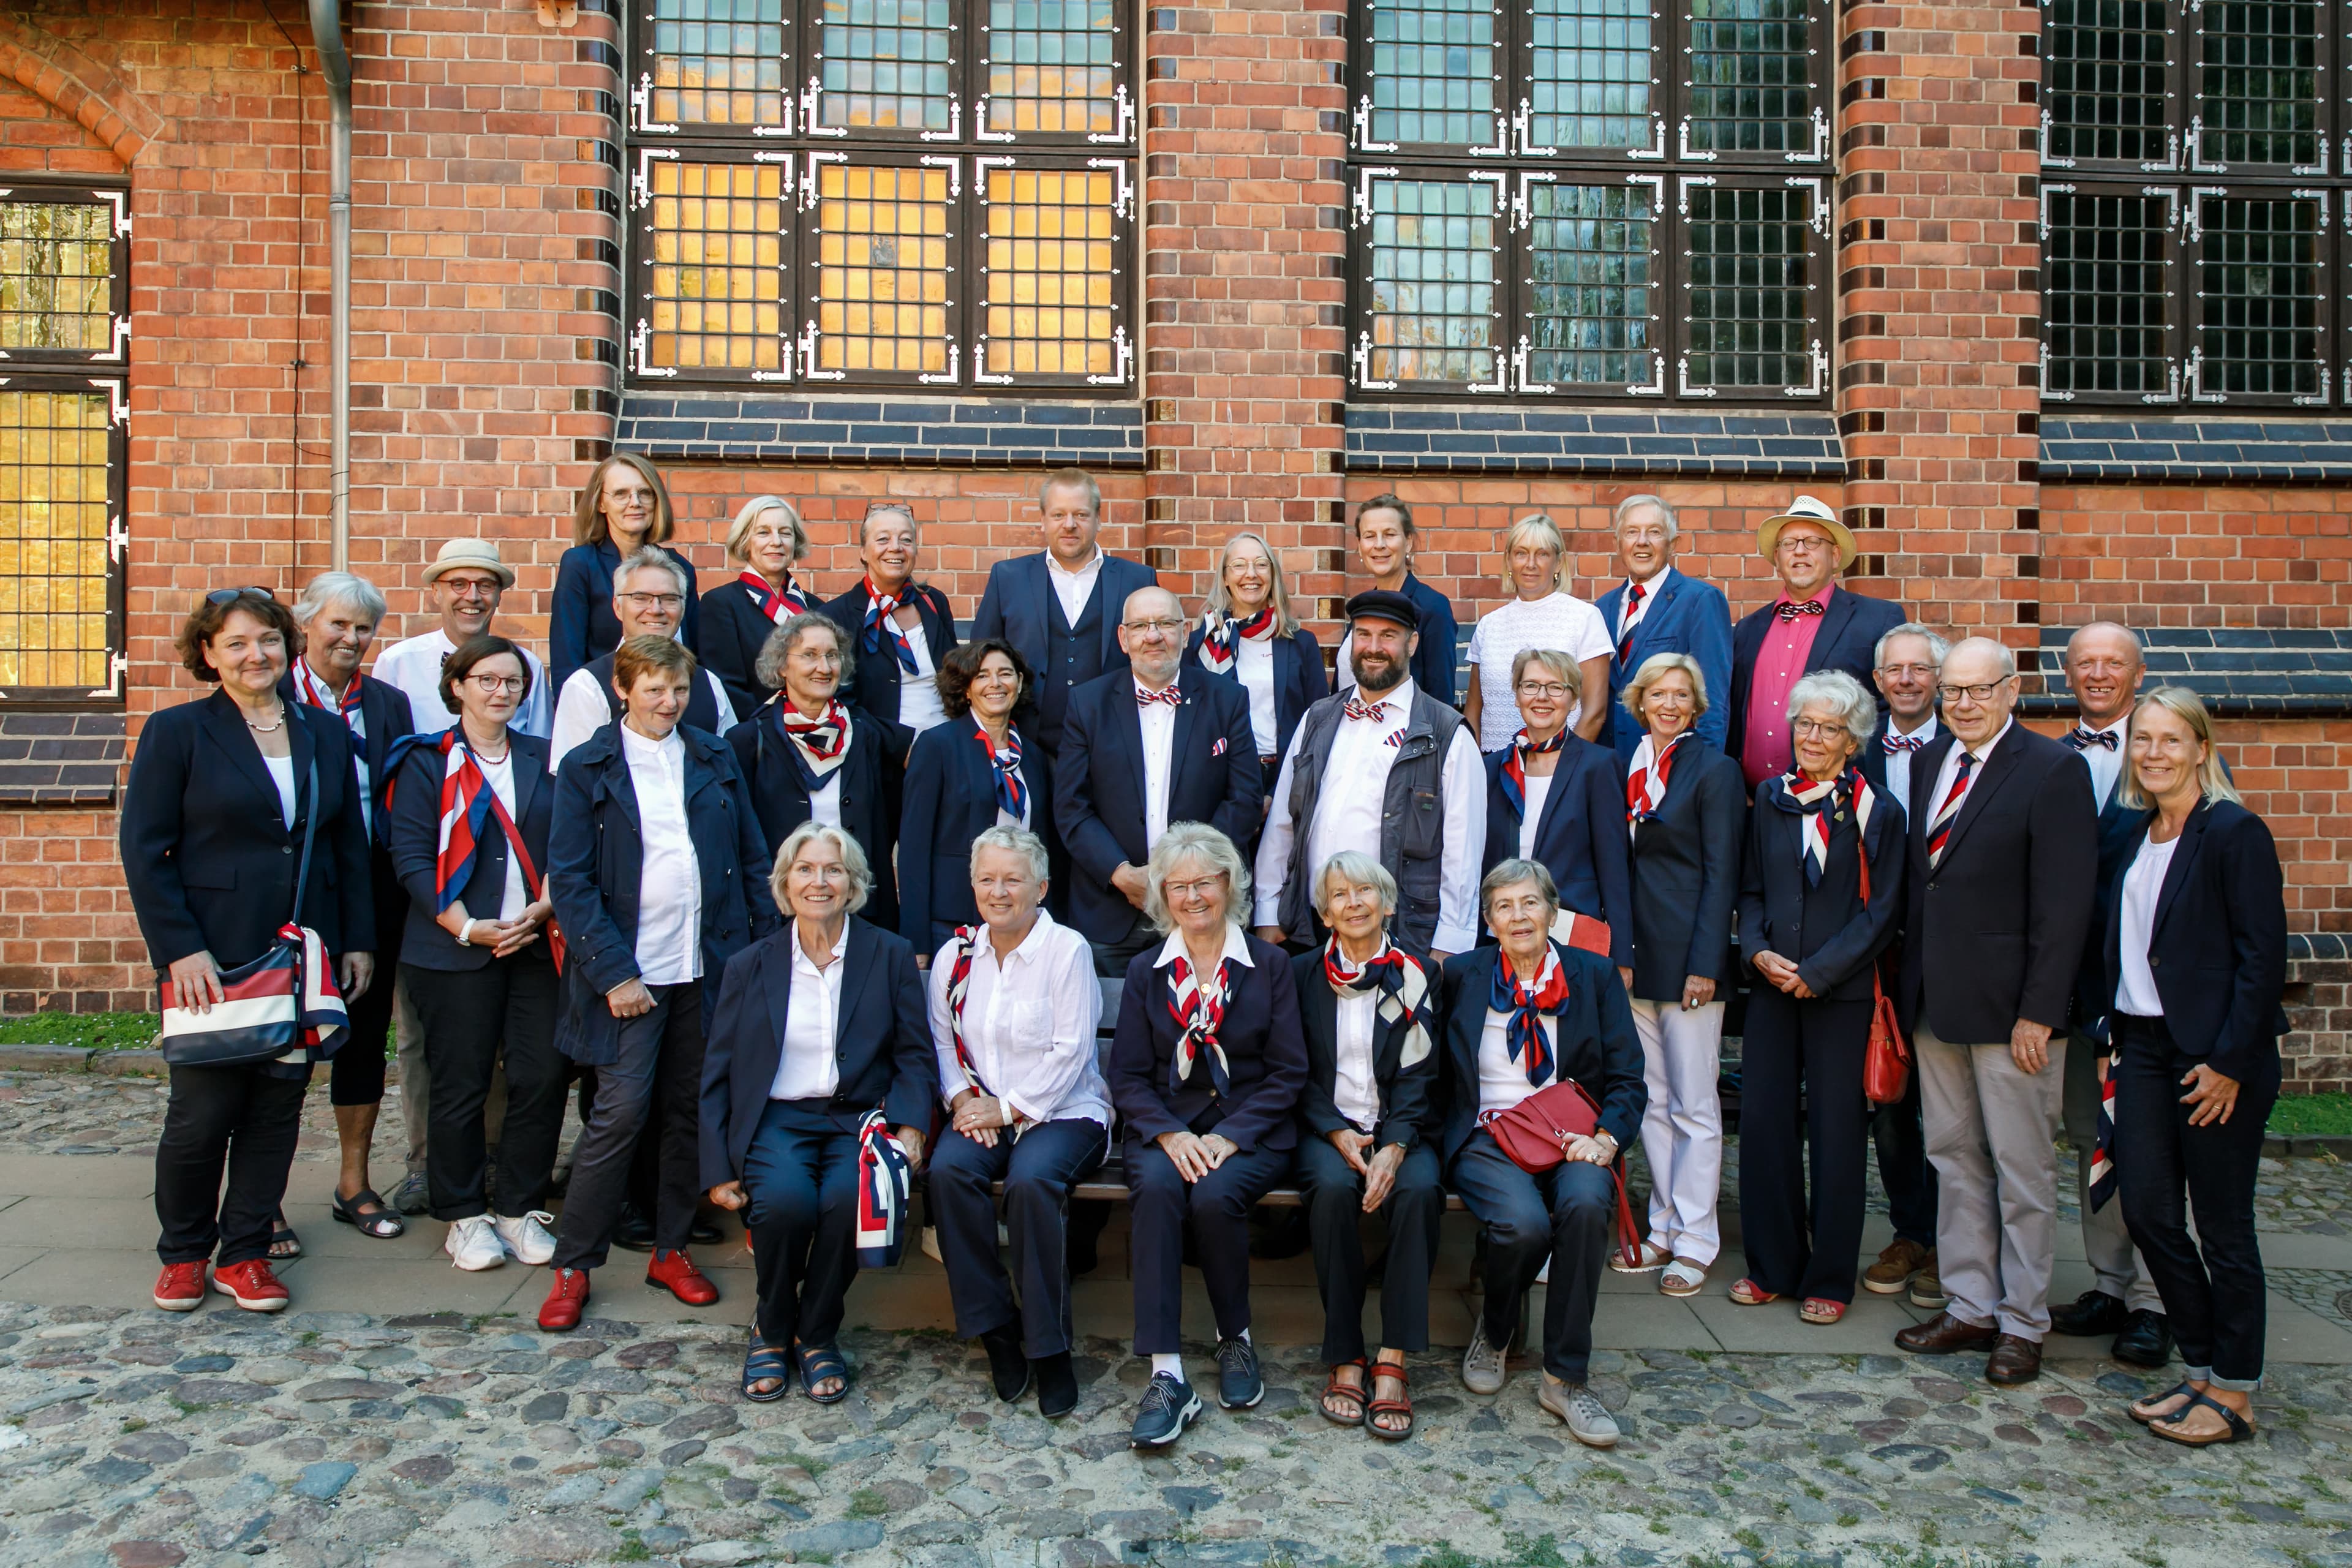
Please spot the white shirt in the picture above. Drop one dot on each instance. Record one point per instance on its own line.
(1502, 1082)
(1029, 1024)
(1355, 1091)
(808, 1068)
(669, 885)
(1628, 618)
(1159, 723)
(2106, 766)
(919, 693)
(414, 665)
(1898, 764)
(500, 776)
(1951, 769)
(281, 774)
(356, 722)
(583, 708)
(1075, 588)
(2136, 992)
(825, 802)
(1560, 621)
(1348, 808)
(1254, 667)
(1538, 791)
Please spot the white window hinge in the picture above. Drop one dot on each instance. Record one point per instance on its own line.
(1820, 365)
(118, 401)
(1656, 151)
(1682, 380)
(2047, 391)
(1682, 144)
(118, 538)
(2321, 400)
(641, 105)
(954, 374)
(808, 114)
(1122, 200)
(954, 166)
(2192, 213)
(1821, 142)
(1811, 183)
(1362, 209)
(118, 664)
(1519, 357)
(2049, 159)
(1656, 385)
(809, 371)
(1363, 126)
(808, 179)
(1681, 202)
(1657, 183)
(121, 201)
(641, 184)
(1125, 123)
(2171, 393)
(2196, 380)
(1522, 212)
(954, 132)
(640, 348)
(1123, 365)
(1362, 359)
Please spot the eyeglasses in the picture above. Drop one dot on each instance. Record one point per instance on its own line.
(1206, 886)
(1973, 693)
(470, 587)
(1827, 729)
(492, 685)
(652, 601)
(1805, 543)
(1908, 671)
(231, 595)
(1165, 628)
(1552, 689)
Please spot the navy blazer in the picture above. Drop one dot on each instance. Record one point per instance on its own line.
(1580, 838)
(1098, 790)
(1265, 1058)
(1847, 639)
(1834, 939)
(1015, 606)
(1593, 1034)
(205, 850)
(733, 631)
(580, 622)
(596, 868)
(949, 799)
(2218, 946)
(1686, 616)
(876, 688)
(765, 757)
(1298, 679)
(415, 835)
(1685, 873)
(1407, 1094)
(881, 1042)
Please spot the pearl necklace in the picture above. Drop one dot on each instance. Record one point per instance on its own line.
(268, 729)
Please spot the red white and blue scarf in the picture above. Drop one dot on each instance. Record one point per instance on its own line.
(317, 693)
(1011, 787)
(967, 942)
(881, 613)
(778, 605)
(2103, 1150)
(1199, 1014)
(820, 744)
(1645, 786)
(1404, 988)
(1515, 768)
(468, 805)
(1222, 637)
(883, 1177)
(1818, 804)
(1522, 1031)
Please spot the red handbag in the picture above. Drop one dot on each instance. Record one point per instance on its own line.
(1534, 1134)
(1886, 1061)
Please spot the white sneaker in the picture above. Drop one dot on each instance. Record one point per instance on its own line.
(525, 1237)
(473, 1246)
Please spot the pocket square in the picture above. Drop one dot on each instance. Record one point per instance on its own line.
(1219, 749)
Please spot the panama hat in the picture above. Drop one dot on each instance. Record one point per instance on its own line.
(1805, 509)
(480, 554)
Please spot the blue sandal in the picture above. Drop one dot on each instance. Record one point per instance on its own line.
(819, 1363)
(766, 1364)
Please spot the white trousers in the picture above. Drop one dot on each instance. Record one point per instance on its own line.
(1682, 1130)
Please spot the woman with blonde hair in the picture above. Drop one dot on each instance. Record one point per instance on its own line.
(766, 540)
(1247, 632)
(622, 508)
(1542, 613)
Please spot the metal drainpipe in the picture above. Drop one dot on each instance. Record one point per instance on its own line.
(335, 64)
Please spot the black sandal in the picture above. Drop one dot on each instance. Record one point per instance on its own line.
(819, 1363)
(384, 1223)
(2235, 1427)
(2177, 1391)
(282, 1234)
(766, 1364)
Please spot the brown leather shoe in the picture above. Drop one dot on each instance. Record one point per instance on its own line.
(1943, 1333)
(2013, 1360)
(1894, 1267)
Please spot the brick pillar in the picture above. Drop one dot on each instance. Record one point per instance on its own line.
(1939, 258)
(1245, 291)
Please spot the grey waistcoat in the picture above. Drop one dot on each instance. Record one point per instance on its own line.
(1413, 817)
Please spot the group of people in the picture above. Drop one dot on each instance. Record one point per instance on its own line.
(805, 898)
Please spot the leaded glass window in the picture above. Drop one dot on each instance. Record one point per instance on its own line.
(2106, 259)
(1431, 281)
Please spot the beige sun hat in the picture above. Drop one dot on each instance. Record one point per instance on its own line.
(1806, 509)
(481, 554)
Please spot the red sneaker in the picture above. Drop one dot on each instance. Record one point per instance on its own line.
(675, 1273)
(252, 1284)
(565, 1297)
(181, 1287)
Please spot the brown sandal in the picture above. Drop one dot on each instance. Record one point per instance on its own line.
(1360, 1394)
(1379, 1407)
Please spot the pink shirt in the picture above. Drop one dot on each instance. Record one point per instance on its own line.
(1764, 748)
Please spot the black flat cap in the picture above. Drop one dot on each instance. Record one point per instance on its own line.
(1382, 604)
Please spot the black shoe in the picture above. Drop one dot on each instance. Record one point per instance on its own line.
(2092, 1312)
(1057, 1385)
(636, 1231)
(2146, 1341)
(1169, 1406)
(1006, 1364)
(1239, 1386)
(1081, 1255)
(706, 1232)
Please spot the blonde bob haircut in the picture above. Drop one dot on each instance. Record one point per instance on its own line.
(853, 860)
(1654, 669)
(2213, 780)
(1551, 658)
(738, 533)
(1538, 529)
(1187, 843)
(588, 525)
(1220, 602)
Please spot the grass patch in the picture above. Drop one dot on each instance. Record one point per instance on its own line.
(87, 1031)
(2312, 1116)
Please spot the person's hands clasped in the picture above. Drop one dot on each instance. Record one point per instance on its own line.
(1782, 974)
(196, 983)
(2029, 1044)
(629, 999)
(357, 972)
(1697, 990)
(521, 931)
(1379, 1176)
(980, 1116)
(1598, 1150)
(728, 1196)
(2211, 1096)
(1193, 1155)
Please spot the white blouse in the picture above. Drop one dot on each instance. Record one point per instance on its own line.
(1029, 1024)
(809, 1067)
(2136, 993)
(281, 774)
(669, 884)
(1502, 1082)
(1355, 1085)
(501, 774)
(1538, 791)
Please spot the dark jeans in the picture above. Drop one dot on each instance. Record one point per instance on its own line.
(355, 1072)
(1038, 1171)
(470, 1016)
(1565, 1214)
(1902, 1167)
(1814, 1048)
(238, 1117)
(799, 1177)
(1335, 1207)
(660, 1050)
(2213, 1286)
(1111, 958)
(1162, 1206)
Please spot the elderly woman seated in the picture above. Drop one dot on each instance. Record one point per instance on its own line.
(1369, 1008)
(1205, 1072)
(1014, 1003)
(782, 1108)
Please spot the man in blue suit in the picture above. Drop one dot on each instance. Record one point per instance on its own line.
(1660, 610)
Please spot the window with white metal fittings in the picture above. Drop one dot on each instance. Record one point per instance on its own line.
(2195, 153)
(918, 194)
(1591, 199)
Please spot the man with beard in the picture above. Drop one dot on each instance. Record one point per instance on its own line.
(1384, 765)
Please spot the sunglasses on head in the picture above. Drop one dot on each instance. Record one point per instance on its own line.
(231, 595)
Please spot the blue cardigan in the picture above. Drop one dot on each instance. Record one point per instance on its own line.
(581, 624)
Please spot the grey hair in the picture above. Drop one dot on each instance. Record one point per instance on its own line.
(888, 509)
(1194, 841)
(1658, 665)
(1665, 513)
(853, 859)
(2003, 657)
(647, 558)
(770, 665)
(1856, 708)
(738, 533)
(339, 587)
(1515, 871)
(1936, 644)
(1017, 840)
(1359, 869)
(1571, 674)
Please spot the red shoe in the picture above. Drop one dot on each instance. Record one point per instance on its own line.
(565, 1299)
(181, 1287)
(675, 1273)
(252, 1285)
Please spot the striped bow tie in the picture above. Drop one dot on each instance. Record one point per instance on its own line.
(1169, 694)
(2081, 738)
(1891, 743)
(1354, 708)
(1790, 611)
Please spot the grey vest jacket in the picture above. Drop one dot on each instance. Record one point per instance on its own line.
(1413, 817)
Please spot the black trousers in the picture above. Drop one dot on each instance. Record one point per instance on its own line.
(1335, 1206)
(660, 1050)
(1902, 1167)
(799, 1177)
(471, 1015)
(1564, 1215)
(1162, 1206)
(355, 1072)
(1038, 1171)
(2213, 1286)
(238, 1117)
(1814, 1048)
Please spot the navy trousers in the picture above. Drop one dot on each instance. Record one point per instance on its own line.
(1564, 1215)
(1902, 1167)
(1335, 1207)
(1038, 1171)
(801, 1178)
(1162, 1206)
(659, 1069)
(1796, 1246)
